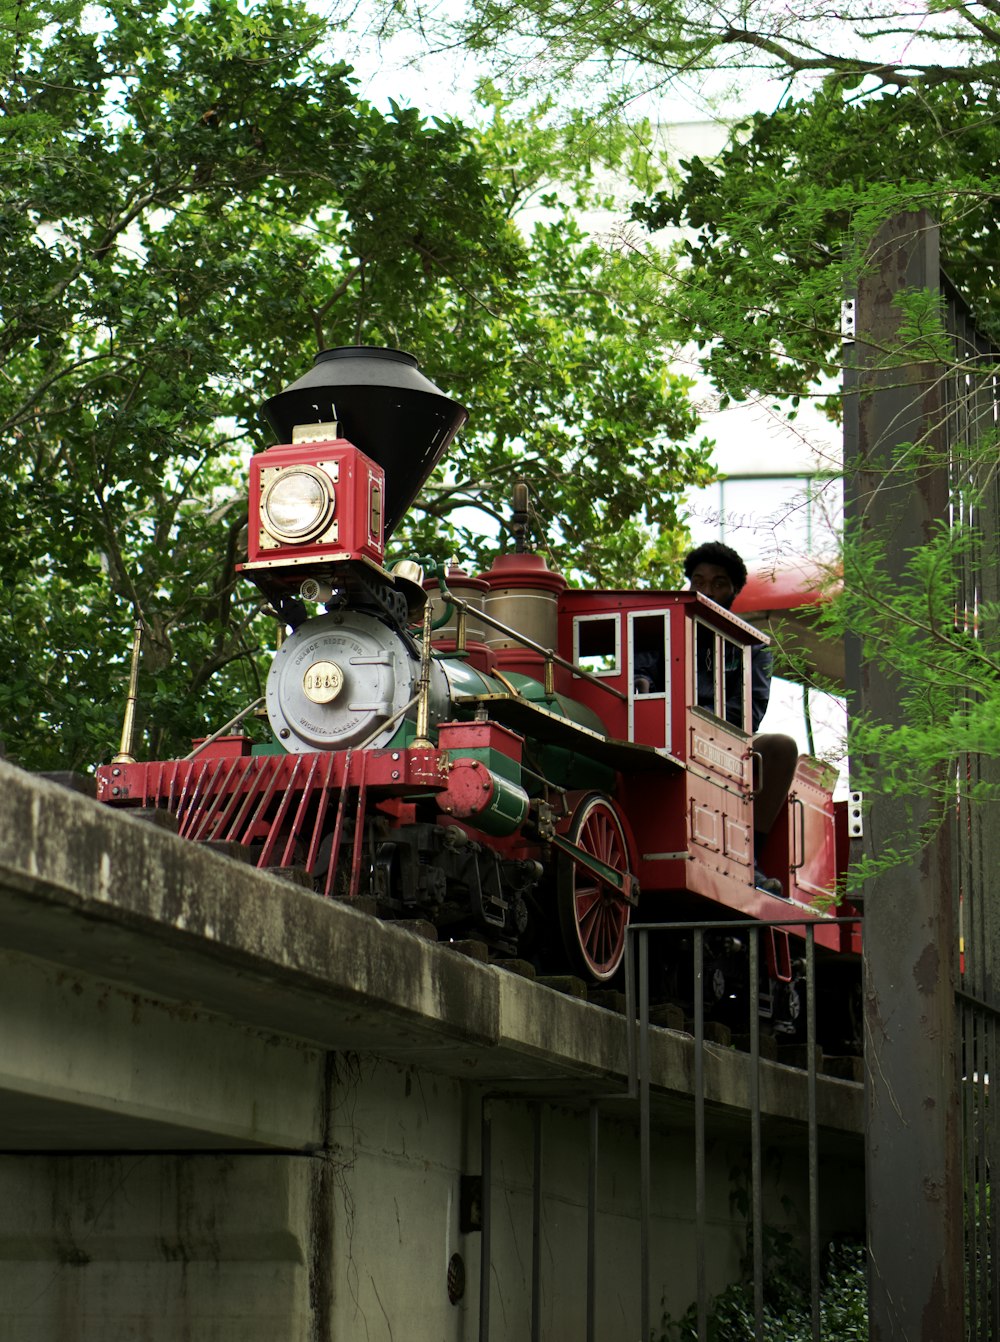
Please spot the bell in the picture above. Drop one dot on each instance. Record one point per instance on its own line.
(408, 577)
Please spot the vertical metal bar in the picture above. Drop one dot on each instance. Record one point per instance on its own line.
(699, 1131)
(969, 1174)
(993, 1166)
(324, 802)
(592, 1224)
(992, 1156)
(756, 1171)
(203, 796)
(274, 830)
(982, 1203)
(223, 820)
(644, 1153)
(986, 836)
(974, 891)
(968, 1142)
(965, 941)
(275, 766)
(486, 1245)
(202, 824)
(265, 768)
(182, 814)
(536, 1230)
(980, 1249)
(813, 1130)
(300, 814)
(125, 755)
(421, 740)
(631, 1022)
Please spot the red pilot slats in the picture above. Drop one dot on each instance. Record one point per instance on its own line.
(280, 805)
(239, 788)
(201, 826)
(287, 796)
(300, 813)
(358, 827)
(324, 802)
(338, 828)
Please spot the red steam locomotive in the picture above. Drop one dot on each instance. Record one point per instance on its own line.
(477, 751)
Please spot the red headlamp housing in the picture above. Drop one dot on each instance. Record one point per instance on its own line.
(313, 502)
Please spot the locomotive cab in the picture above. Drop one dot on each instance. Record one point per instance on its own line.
(681, 665)
(672, 671)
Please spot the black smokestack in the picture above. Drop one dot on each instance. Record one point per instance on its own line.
(384, 405)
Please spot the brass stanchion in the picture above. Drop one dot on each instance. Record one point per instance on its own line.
(421, 741)
(125, 755)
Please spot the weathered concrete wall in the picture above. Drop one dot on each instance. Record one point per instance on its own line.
(356, 1241)
(139, 1070)
(146, 1246)
(672, 1243)
(231, 1110)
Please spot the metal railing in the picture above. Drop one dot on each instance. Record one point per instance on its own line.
(641, 1082)
(921, 443)
(636, 1102)
(972, 410)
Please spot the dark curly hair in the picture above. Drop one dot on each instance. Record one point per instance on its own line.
(715, 552)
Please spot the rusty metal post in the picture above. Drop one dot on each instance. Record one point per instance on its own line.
(911, 1038)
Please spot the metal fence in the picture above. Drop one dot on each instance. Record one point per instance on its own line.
(641, 1080)
(637, 1103)
(932, 921)
(972, 398)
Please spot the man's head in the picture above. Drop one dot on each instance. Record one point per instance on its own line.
(716, 571)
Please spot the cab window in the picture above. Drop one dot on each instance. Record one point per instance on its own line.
(720, 676)
(597, 644)
(649, 654)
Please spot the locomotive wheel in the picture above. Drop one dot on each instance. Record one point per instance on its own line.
(593, 914)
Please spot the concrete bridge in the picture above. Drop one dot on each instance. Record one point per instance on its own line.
(231, 1110)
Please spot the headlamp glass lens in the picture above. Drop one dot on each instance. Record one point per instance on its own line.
(296, 505)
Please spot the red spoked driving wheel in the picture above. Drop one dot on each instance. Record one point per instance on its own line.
(594, 907)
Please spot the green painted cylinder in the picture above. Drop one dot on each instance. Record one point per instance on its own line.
(507, 811)
(482, 798)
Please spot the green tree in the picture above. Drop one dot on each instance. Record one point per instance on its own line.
(194, 200)
(615, 52)
(777, 222)
(877, 111)
(569, 383)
